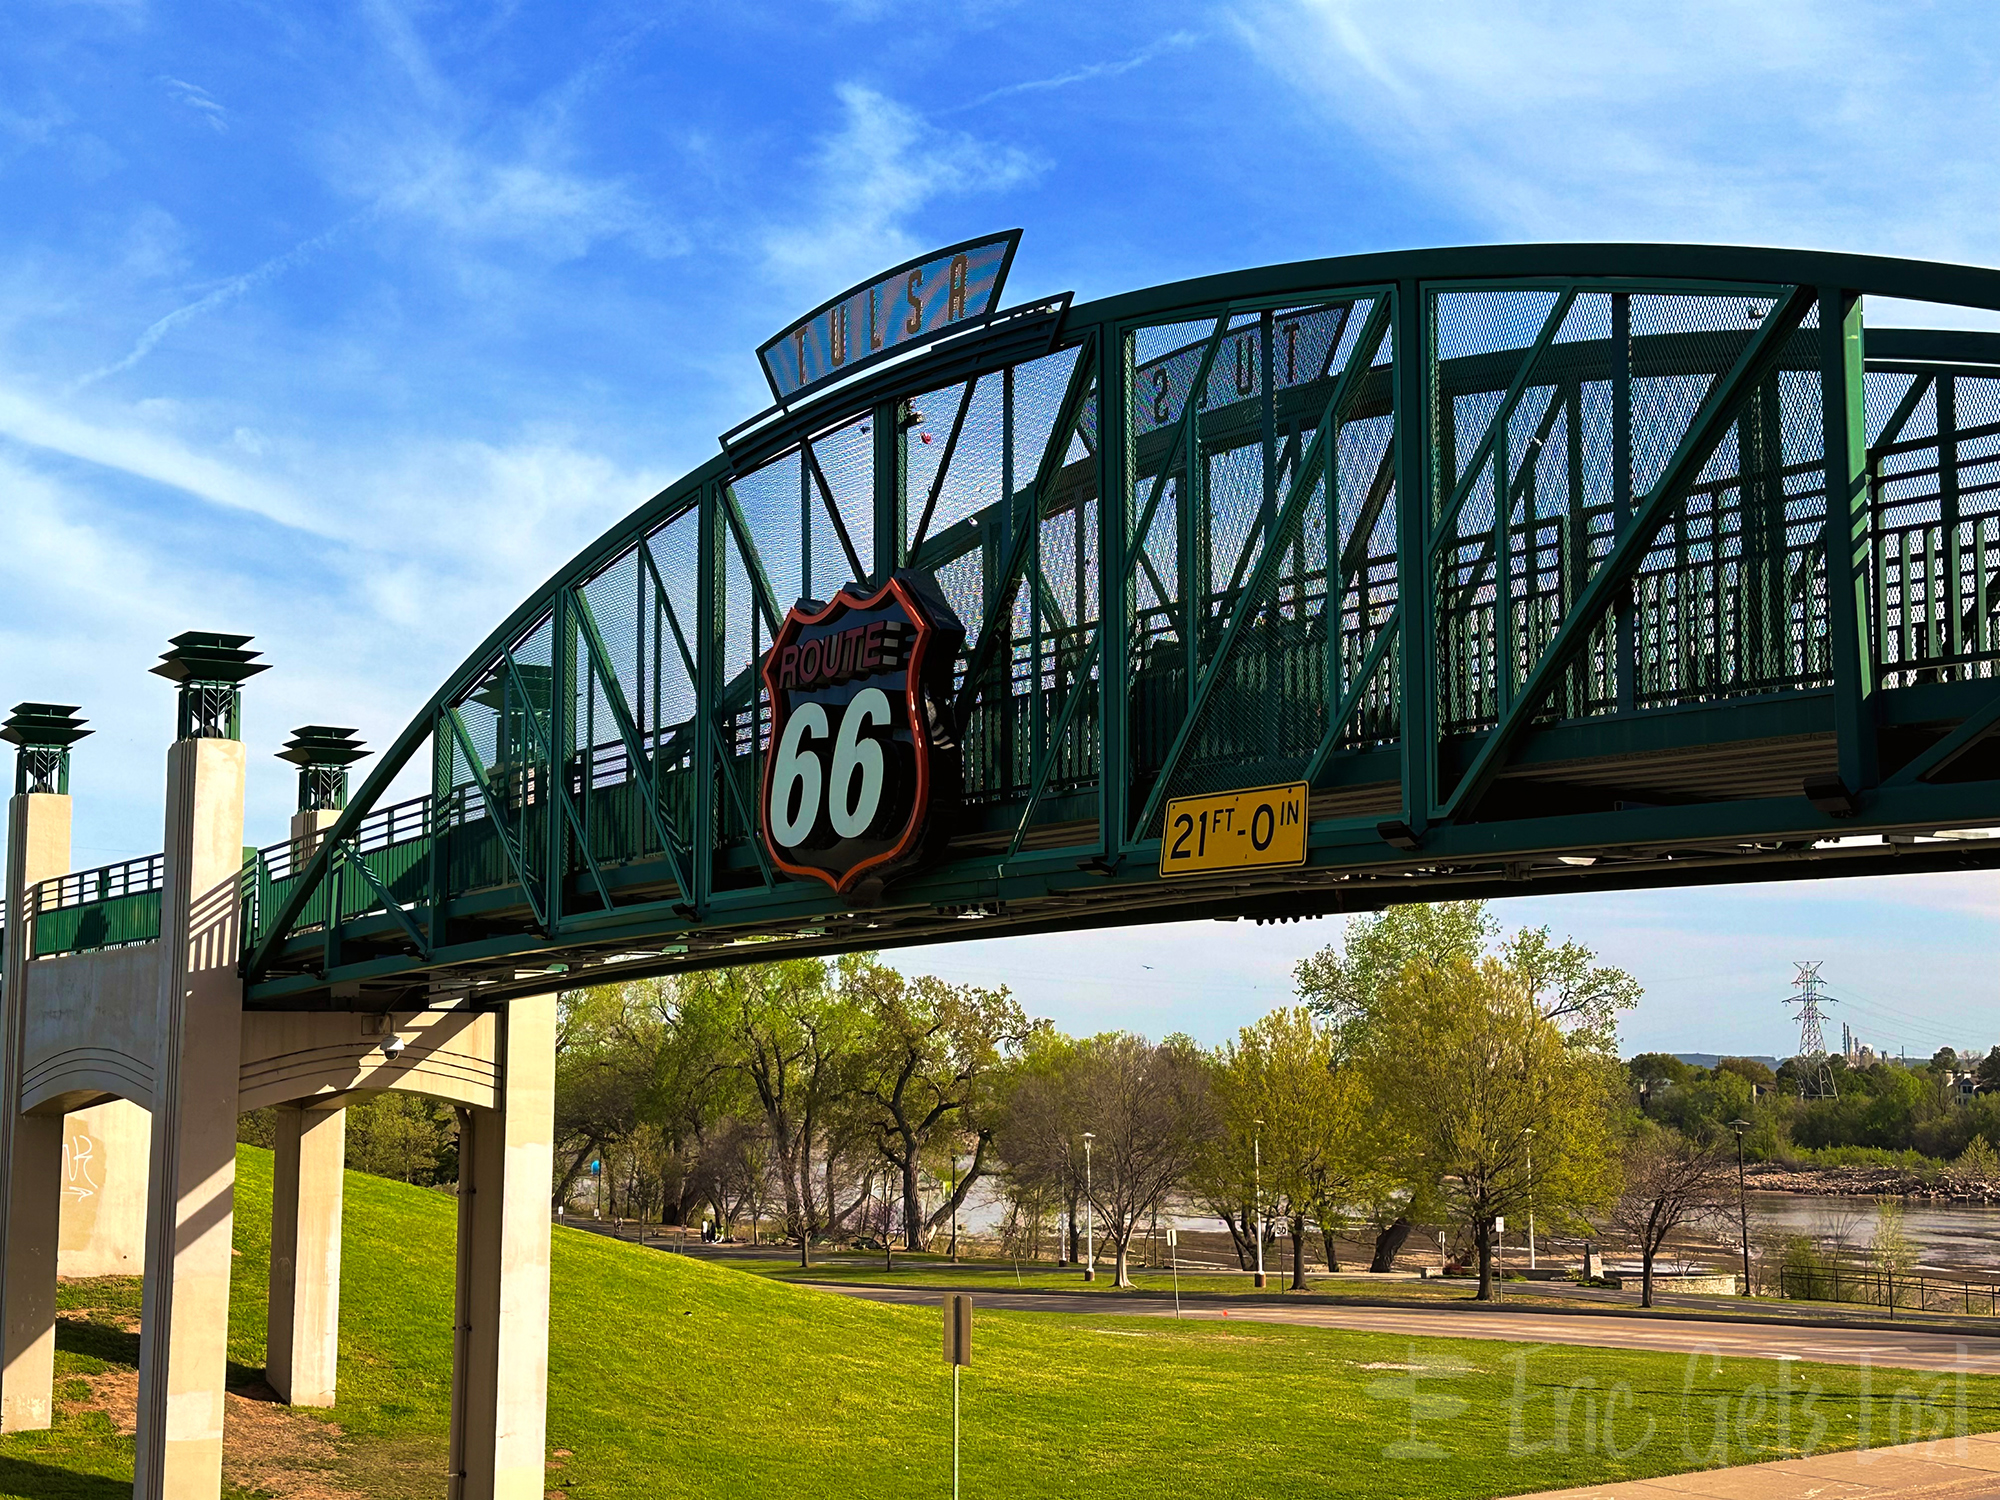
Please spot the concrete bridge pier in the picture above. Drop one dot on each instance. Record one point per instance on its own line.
(302, 1323)
(198, 1031)
(31, 1146)
(500, 1362)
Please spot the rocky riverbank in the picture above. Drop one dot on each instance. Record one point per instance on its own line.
(1939, 1184)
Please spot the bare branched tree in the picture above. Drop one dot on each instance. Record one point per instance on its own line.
(1149, 1110)
(1672, 1182)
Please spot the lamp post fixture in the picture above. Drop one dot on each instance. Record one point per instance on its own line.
(1257, 1194)
(1742, 1201)
(1090, 1231)
(1528, 1134)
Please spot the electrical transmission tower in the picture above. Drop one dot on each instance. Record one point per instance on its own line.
(1816, 1080)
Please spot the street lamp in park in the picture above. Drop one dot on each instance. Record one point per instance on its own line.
(1528, 1134)
(1090, 1222)
(1257, 1194)
(954, 1202)
(1742, 1200)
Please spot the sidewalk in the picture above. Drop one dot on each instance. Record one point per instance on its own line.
(1948, 1469)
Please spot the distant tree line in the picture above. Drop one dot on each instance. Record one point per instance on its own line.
(1881, 1110)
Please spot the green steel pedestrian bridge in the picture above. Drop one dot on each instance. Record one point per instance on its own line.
(1548, 568)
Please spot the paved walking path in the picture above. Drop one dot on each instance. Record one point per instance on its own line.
(1915, 1349)
(1949, 1469)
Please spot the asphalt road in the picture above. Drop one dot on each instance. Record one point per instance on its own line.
(1916, 1349)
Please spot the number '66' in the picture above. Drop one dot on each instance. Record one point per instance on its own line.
(852, 787)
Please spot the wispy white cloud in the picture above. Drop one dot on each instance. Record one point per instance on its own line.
(1178, 41)
(221, 296)
(434, 152)
(869, 178)
(1689, 119)
(200, 101)
(130, 445)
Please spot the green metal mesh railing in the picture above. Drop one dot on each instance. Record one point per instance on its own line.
(107, 907)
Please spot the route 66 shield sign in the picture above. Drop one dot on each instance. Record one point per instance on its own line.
(863, 768)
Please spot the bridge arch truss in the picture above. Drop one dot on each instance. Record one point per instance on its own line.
(1548, 567)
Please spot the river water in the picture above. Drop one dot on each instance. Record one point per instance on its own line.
(1955, 1237)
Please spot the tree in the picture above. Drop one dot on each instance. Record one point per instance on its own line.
(1751, 1071)
(1040, 1135)
(1288, 1071)
(607, 1041)
(1660, 1067)
(1220, 1178)
(1672, 1181)
(1148, 1106)
(1989, 1070)
(794, 1037)
(1345, 985)
(1978, 1162)
(1461, 1065)
(925, 1066)
(1564, 981)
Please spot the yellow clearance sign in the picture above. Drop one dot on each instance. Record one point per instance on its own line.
(1255, 829)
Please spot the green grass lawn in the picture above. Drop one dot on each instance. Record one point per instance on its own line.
(675, 1377)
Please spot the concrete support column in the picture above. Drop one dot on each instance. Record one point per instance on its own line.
(31, 1160)
(500, 1364)
(184, 1333)
(303, 1331)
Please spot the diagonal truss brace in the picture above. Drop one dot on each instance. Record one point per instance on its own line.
(1758, 357)
(1048, 754)
(1447, 521)
(498, 814)
(1317, 460)
(351, 859)
(643, 769)
(707, 720)
(558, 780)
(1017, 552)
(1364, 674)
(1942, 755)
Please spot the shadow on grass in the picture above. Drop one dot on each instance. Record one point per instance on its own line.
(21, 1476)
(99, 1341)
(120, 1349)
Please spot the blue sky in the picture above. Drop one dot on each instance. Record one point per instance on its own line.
(344, 324)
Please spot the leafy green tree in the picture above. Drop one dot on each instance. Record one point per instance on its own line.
(1660, 1067)
(1461, 1067)
(1346, 984)
(795, 1039)
(1287, 1070)
(1989, 1070)
(1570, 988)
(925, 1065)
(607, 1042)
(1979, 1162)
(1563, 980)
(1041, 1123)
(1752, 1072)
